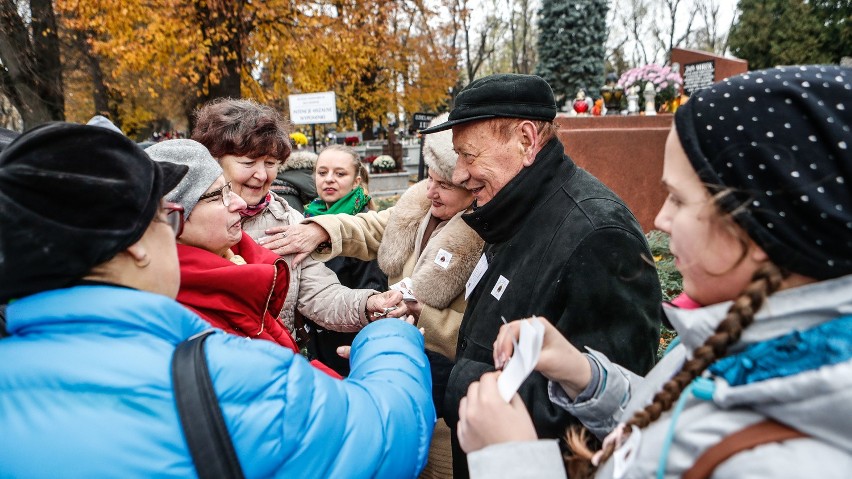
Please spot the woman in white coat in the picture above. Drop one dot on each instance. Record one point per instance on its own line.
(423, 238)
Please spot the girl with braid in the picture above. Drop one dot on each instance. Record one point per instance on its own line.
(760, 381)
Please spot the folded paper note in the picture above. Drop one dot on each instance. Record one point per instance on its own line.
(523, 359)
(406, 288)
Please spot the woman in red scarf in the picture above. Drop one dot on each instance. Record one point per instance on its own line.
(227, 278)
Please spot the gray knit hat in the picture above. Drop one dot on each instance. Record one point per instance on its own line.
(438, 150)
(204, 170)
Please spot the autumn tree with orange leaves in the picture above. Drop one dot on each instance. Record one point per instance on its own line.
(163, 58)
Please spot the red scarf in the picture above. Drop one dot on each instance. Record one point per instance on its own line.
(244, 300)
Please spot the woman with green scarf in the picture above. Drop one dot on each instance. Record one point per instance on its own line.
(339, 175)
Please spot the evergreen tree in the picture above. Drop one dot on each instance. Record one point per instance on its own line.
(571, 50)
(836, 16)
(778, 32)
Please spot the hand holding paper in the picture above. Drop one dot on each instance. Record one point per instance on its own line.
(405, 287)
(523, 360)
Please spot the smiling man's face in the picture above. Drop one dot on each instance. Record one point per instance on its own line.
(486, 161)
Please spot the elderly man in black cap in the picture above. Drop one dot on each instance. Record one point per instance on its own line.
(558, 244)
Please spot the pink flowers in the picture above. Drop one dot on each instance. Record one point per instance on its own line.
(666, 81)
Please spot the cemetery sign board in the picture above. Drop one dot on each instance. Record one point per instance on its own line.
(313, 108)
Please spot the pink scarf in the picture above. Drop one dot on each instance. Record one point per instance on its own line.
(253, 210)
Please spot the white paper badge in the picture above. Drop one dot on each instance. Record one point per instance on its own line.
(625, 455)
(443, 258)
(475, 276)
(500, 287)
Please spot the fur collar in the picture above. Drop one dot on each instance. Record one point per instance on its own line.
(300, 160)
(433, 285)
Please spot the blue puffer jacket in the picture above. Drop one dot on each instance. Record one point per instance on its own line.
(85, 391)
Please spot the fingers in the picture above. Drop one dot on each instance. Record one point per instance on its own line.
(462, 427)
(344, 351)
(391, 298)
(299, 239)
(504, 345)
(275, 230)
(400, 311)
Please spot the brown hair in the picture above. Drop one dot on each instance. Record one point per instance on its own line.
(230, 126)
(503, 127)
(740, 315)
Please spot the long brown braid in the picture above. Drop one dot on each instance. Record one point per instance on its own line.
(740, 315)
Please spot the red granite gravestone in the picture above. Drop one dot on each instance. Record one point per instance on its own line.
(625, 153)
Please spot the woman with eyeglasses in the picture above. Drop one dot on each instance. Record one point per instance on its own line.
(89, 267)
(227, 278)
(250, 141)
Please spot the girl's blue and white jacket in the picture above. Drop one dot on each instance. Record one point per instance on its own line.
(793, 365)
(86, 391)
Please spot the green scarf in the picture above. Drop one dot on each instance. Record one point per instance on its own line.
(350, 204)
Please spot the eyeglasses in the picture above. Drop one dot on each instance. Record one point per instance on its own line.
(224, 191)
(174, 217)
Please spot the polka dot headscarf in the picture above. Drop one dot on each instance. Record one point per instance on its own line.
(780, 141)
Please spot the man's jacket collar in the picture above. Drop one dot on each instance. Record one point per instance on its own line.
(499, 219)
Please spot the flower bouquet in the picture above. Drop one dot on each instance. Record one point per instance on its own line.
(383, 164)
(299, 138)
(666, 82)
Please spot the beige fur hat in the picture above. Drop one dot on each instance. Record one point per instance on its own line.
(438, 150)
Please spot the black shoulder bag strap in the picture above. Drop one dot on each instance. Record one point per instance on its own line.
(3, 332)
(200, 415)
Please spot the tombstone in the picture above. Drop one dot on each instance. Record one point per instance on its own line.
(393, 148)
(701, 69)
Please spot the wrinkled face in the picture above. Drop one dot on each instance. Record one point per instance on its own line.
(712, 253)
(335, 175)
(212, 225)
(250, 178)
(486, 162)
(447, 199)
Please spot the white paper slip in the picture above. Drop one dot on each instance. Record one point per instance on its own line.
(406, 287)
(475, 276)
(626, 454)
(523, 359)
(443, 258)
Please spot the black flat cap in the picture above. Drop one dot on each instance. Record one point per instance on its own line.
(504, 95)
(71, 198)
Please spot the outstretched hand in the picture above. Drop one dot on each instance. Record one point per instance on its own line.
(299, 239)
(559, 361)
(486, 419)
(379, 305)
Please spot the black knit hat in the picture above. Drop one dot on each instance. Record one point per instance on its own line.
(505, 95)
(780, 141)
(72, 197)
